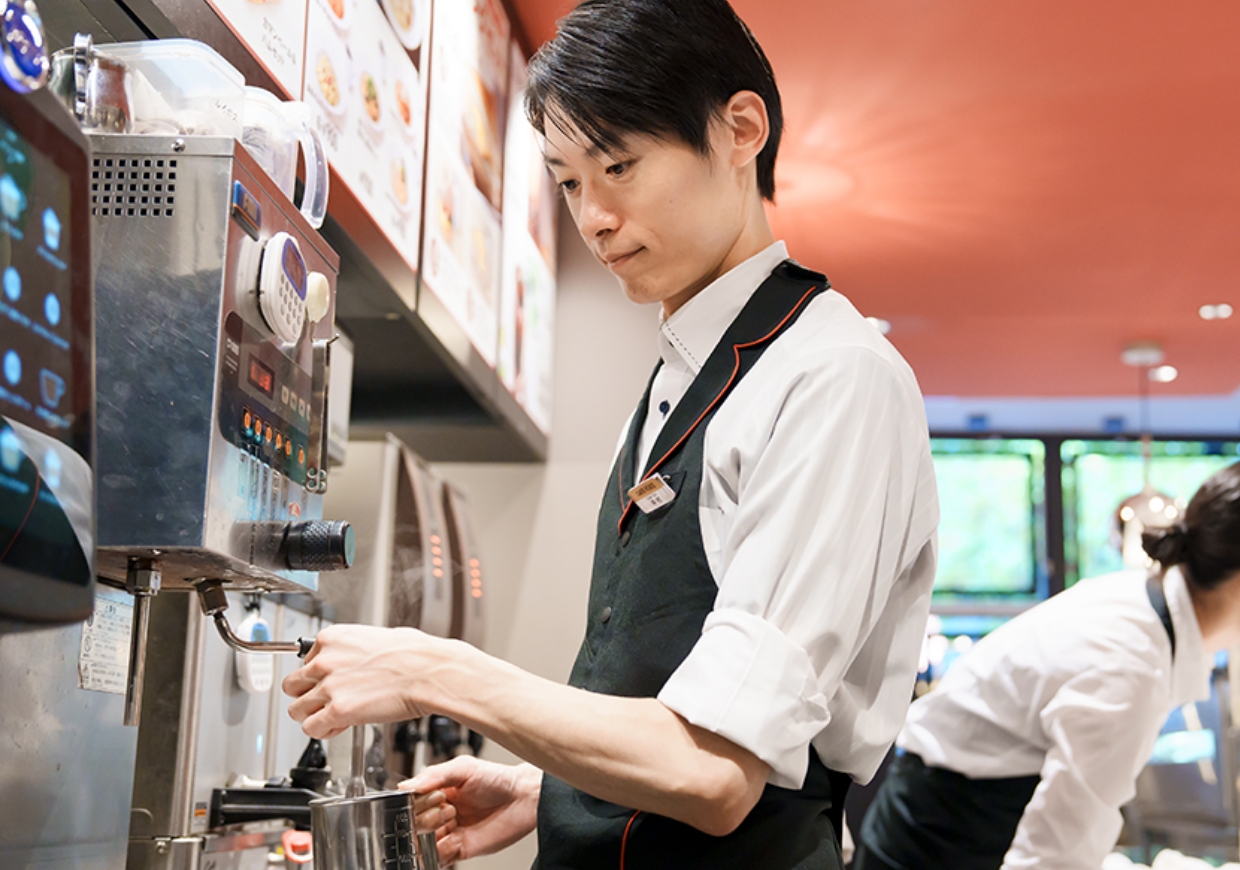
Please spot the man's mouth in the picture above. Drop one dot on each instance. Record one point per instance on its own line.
(614, 261)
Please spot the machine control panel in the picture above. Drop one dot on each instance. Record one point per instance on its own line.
(266, 408)
(282, 287)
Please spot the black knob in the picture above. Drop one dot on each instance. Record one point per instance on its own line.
(475, 742)
(444, 735)
(322, 545)
(311, 771)
(405, 736)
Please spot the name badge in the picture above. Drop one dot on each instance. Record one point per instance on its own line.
(652, 494)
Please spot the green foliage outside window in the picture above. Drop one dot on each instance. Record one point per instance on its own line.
(992, 531)
(1098, 475)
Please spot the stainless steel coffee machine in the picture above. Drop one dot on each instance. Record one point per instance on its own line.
(215, 303)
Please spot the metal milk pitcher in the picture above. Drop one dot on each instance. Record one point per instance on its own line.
(369, 831)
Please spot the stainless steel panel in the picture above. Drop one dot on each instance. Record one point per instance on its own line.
(66, 759)
(178, 317)
(167, 737)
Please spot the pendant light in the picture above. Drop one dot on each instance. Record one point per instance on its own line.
(1149, 508)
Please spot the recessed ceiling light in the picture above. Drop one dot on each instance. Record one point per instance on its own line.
(1221, 311)
(883, 326)
(1144, 354)
(1164, 374)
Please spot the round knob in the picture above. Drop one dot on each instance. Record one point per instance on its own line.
(318, 296)
(24, 64)
(444, 735)
(320, 545)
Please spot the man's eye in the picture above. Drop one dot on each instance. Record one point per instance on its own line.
(568, 186)
(617, 168)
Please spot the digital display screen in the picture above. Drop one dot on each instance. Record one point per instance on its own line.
(36, 365)
(295, 268)
(46, 483)
(262, 378)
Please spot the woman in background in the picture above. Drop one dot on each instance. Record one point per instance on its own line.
(1024, 754)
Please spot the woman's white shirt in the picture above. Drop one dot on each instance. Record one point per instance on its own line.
(1076, 690)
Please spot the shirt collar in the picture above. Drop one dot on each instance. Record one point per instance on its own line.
(1190, 672)
(687, 338)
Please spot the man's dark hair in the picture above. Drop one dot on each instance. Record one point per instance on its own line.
(655, 67)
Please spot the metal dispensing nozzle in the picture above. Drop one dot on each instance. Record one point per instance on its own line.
(215, 604)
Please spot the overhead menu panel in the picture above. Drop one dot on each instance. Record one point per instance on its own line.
(365, 84)
(527, 300)
(274, 31)
(465, 165)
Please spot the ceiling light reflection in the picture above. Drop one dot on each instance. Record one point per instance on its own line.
(1221, 311)
(1164, 374)
(883, 326)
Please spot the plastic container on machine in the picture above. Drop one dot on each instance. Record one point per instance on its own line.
(182, 86)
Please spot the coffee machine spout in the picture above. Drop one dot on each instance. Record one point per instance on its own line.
(215, 604)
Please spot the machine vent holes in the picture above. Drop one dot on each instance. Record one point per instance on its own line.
(142, 199)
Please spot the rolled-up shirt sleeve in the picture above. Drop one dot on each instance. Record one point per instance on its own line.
(834, 501)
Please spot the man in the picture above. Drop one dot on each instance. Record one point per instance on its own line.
(765, 547)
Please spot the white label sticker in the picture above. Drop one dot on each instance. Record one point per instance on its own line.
(652, 494)
(103, 659)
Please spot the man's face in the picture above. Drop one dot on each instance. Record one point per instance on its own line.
(660, 216)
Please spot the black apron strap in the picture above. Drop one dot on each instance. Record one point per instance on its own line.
(1158, 599)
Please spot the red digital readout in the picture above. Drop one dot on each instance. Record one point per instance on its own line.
(262, 377)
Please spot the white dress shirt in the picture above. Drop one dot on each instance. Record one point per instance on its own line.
(818, 512)
(1075, 689)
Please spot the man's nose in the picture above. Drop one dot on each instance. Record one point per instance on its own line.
(597, 217)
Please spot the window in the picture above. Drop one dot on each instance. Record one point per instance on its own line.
(992, 535)
(1098, 475)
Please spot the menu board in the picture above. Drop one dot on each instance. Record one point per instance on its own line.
(274, 31)
(463, 242)
(365, 85)
(527, 298)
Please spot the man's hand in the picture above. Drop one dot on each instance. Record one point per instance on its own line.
(476, 807)
(359, 675)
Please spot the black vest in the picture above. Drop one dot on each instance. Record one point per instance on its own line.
(650, 593)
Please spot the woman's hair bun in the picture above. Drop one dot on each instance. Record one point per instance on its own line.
(1167, 546)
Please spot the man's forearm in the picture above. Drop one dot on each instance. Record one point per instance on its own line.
(631, 751)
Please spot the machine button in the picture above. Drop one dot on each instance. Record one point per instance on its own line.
(318, 296)
(605, 616)
(288, 448)
(301, 456)
(246, 421)
(279, 442)
(269, 435)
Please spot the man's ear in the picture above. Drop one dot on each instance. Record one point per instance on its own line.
(746, 127)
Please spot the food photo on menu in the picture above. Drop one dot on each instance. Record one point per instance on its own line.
(364, 77)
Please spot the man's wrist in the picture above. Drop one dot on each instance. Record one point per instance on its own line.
(452, 678)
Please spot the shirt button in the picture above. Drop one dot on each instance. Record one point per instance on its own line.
(624, 539)
(605, 615)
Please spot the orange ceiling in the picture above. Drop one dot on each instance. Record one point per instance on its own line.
(1021, 189)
